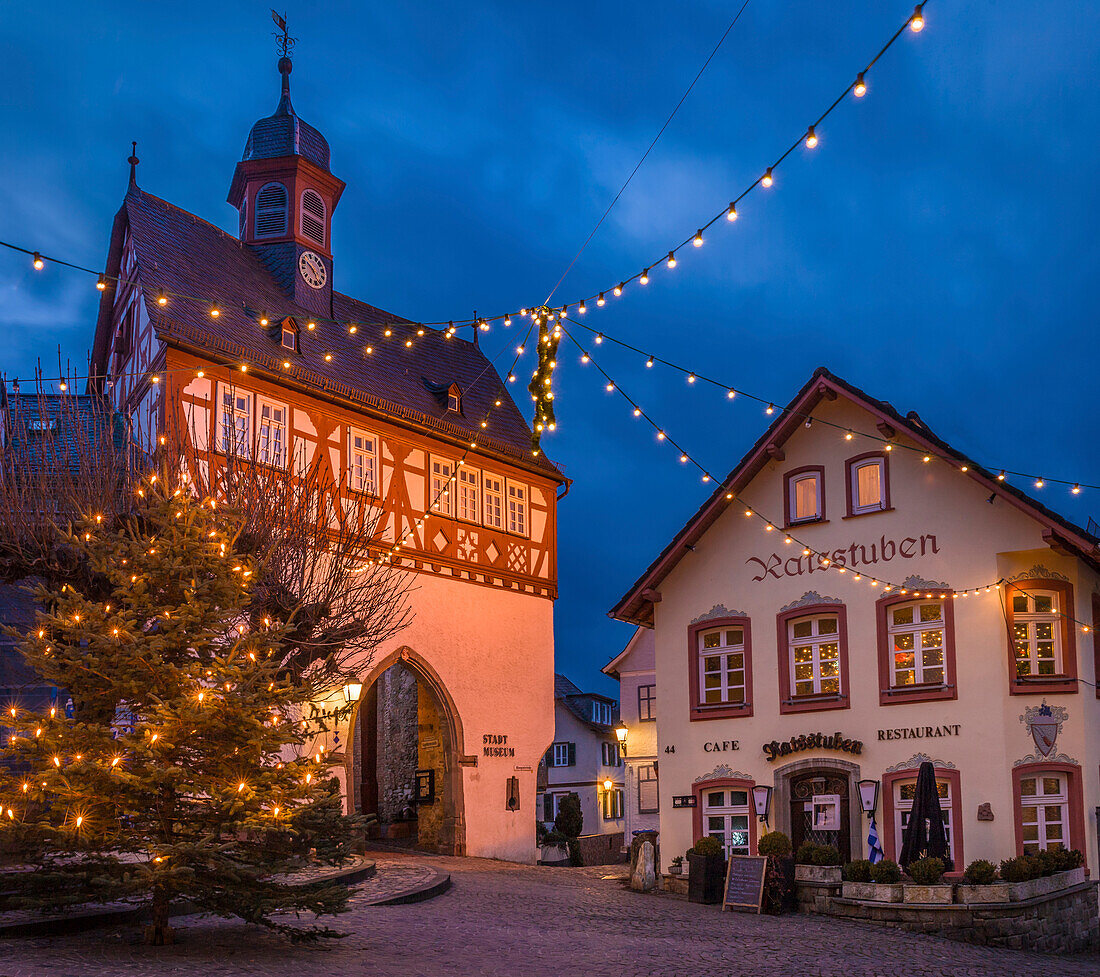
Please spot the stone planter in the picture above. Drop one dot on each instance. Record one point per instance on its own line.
(1019, 891)
(817, 873)
(554, 855)
(676, 869)
(971, 894)
(706, 878)
(927, 895)
(872, 892)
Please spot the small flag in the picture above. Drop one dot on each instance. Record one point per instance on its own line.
(874, 849)
(280, 22)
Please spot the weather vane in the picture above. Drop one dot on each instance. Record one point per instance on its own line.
(284, 41)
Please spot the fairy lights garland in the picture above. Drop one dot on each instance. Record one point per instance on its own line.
(541, 386)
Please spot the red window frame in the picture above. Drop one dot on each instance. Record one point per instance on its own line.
(891, 696)
(725, 710)
(1074, 794)
(886, 832)
(1066, 682)
(850, 498)
(816, 703)
(819, 470)
(722, 783)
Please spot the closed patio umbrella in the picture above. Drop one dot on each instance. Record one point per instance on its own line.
(924, 834)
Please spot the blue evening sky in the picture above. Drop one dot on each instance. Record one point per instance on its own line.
(936, 249)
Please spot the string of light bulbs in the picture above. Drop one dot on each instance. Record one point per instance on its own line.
(823, 560)
(810, 138)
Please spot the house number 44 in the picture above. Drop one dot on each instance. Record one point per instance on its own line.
(670, 749)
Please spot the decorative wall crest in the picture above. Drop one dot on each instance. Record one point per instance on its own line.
(809, 598)
(1038, 572)
(723, 772)
(717, 611)
(913, 582)
(916, 760)
(1044, 723)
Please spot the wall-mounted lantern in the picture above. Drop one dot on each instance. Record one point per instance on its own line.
(761, 800)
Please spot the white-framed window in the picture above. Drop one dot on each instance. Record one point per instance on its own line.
(313, 216)
(563, 754)
(272, 432)
(493, 488)
(454, 400)
(1037, 632)
(647, 789)
(235, 421)
(804, 493)
(362, 461)
(469, 494)
(517, 508)
(815, 655)
(441, 497)
(726, 817)
(612, 804)
(722, 666)
(601, 713)
(611, 757)
(1044, 806)
(647, 703)
(271, 210)
(868, 485)
(916, 643)
(904, 792)
(290, 337)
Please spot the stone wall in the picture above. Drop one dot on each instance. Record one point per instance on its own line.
(431, 756)
(602, 849)
(397, 742)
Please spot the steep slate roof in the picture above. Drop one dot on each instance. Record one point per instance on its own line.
(635, 607)
(46, 427)
(183, 254)
(570, 696)
(563, 687)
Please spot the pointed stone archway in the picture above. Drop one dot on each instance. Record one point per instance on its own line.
(438, 745)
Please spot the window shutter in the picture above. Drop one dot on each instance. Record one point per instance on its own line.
(550, 757)
(548, 807)
(572, 754)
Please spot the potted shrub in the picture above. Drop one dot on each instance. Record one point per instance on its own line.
(706, 871)
(817, 863)
(677, 866)
(1038, 875)
(981, 883)
(776, 847)
(554, 849)
(927, 876)
(861, 881)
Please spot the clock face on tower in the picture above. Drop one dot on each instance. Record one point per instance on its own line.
(312, 267)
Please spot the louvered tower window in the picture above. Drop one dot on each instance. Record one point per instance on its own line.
(313, 216)
(271, 205)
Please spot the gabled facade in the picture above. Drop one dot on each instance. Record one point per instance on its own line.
(242, 346)
(904, 605)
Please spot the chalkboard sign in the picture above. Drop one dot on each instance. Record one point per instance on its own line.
(745, 883)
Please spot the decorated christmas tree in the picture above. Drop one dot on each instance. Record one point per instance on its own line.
(188, 766)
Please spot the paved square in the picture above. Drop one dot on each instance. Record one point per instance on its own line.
(499, 918)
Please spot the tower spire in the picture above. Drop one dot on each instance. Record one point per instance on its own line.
(285, 43)
(133, 161)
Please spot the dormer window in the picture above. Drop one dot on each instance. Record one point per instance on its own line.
(290, 335)
(313, 216)
(454, 398)
(271, 210)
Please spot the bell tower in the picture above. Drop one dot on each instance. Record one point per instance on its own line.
(285, 195)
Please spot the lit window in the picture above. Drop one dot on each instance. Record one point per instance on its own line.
(916, 641)
(469, 494)
(611, 756)
(272, 433)
(1036, 632)
(726, 818)
(235, 420)
(647, 789)
(517, 508)
(494, 500)
(904, 793)
(815, 655)
(722, 666)
(804, 497)
(271, 210)
(442, 501)
(1044, 806)
(313, 216)
(363, 462)
(612, 804)
(868, 486)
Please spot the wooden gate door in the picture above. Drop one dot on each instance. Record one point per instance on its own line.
(820, 810)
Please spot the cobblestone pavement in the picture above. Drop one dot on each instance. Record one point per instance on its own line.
(499, 919)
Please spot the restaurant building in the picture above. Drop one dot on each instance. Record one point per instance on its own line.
(239, 344)
(845, 607)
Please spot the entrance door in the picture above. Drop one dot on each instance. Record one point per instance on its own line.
(819, 810)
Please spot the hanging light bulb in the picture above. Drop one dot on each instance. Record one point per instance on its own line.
(584, 357)
(214, 310)
(660, 435)
(353, 329)
(1039, 482)
(811, 138)
(1076, 490)
(637, 412)
(859, 89)
(916, 22)
(619, 288)
(37, 261)
(731, 214)
(698, 239)
(610, 385)
(848, 436)
(582, 308)
(767, 180)
(649, 362)
(101, 283)
(671, 260)
(770, 409)
(1001, 477)
(731, 393)
(691, 378)
(644, 280)
(328, 357)
(601, 300)
(599, 338)
(507, 320)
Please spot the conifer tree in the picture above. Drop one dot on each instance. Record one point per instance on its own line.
(188, 768)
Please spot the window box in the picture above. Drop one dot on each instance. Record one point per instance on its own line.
(872, 892)
(927, 895)
(1042, 643)
(826, 874)
(970, 895)
(706, 878)
(804, 495)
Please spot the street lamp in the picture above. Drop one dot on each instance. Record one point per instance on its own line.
(868, 796)
(761, 799)
(620, 735)
(352, 691)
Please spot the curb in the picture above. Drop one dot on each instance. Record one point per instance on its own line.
(436, 887)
